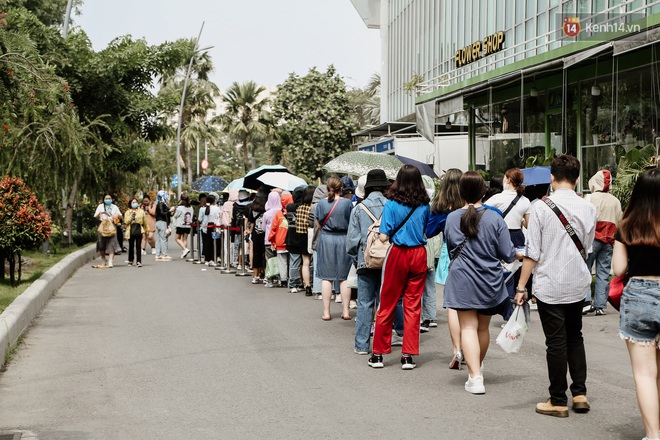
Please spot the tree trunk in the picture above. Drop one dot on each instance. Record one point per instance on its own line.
(244, 148)
(189, 164)
(20, 267)
(12, 269)
(67, 237)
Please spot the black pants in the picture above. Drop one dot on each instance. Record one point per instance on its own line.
(562, 326)
(135, 248)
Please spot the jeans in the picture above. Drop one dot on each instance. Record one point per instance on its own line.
(282, 263)
(639, 319)
(295, 261)
(134, 248)
(161, 239)
(429, 308)
(368, 292)
(602, 256)
(316, 283)
(562, 326)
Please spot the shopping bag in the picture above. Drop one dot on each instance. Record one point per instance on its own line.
(443, 265)
(272, 268)
(351, 281)
(512, 335)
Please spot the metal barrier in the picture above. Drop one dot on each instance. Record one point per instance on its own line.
(193, 233)
(242, 272)
(227, 260)
(221, 265)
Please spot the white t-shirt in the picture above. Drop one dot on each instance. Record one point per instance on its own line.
(101, 209)
(502, 201)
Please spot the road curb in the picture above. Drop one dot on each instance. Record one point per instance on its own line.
(17, 317)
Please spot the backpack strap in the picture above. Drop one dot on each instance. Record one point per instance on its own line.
(513, 203)
(365, 209)
(569, 229)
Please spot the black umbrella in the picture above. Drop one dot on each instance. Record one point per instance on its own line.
(209, 183)
(251, 181)
(423, 168)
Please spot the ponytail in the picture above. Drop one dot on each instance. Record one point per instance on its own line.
(334, 186)
(470, 222)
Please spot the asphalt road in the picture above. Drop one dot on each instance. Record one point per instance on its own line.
(173, 351)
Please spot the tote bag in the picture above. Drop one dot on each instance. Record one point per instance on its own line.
(443, 265)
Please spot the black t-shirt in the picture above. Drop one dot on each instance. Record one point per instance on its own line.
(642, 260)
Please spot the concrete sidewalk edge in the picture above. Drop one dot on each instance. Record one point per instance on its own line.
(17, 317)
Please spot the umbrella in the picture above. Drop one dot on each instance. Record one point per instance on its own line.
(250, 180)
(359, 163)
(286, 181)
(209, 183)
(536, 175)
(235, 184)
(423, 168)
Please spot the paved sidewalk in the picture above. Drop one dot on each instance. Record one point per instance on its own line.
(173, 351)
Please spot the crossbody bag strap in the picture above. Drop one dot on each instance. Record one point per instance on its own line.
(327, 217)
(462, 245)
(513, 203)
(403, 222)
(569, 229)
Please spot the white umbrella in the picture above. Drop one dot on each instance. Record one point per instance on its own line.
(286, 181)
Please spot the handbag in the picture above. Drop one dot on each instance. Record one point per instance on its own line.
(136, 229)
(107, 228)
(616, 286)
(272, 268)
(310, 241)
(317, 232)
(443, 265)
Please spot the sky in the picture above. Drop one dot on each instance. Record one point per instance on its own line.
(259, 40)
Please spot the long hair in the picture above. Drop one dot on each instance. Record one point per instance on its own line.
(449, 197)
(308, 195)
(408, 188)
(641, 220)
(516, 178)
(472, 188)
(495, 187)
(184, 201)
(334, 185)
(258, 205)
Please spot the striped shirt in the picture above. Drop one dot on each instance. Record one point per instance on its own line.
(561, 276)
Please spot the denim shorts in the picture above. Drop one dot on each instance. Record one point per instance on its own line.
(639, 319)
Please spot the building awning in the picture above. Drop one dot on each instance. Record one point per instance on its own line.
(585, 54)
(637, 41)
(369, 11)
(387, 129)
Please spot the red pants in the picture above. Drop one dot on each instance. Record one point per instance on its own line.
(404, 273)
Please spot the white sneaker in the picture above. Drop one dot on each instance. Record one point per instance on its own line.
(353, 304)
(153, 252)
(475, 385)
(144, 252)
(185, 253)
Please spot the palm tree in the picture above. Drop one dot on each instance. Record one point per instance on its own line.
(246, 115)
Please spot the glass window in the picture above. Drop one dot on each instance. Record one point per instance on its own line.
(569, 7)
(584, 7)
(520, 12)
(542, 6)
(530, 11)
(509, 12)
(499, 16)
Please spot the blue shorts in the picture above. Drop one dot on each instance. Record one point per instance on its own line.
(639, 319)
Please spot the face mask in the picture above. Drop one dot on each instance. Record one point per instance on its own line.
(134, 205)
(107, 201)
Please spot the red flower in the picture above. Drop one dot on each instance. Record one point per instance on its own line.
(6, 127)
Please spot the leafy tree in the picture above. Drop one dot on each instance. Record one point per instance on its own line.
(49, 12)
(24, 224)
(246, 117)
(314, 120)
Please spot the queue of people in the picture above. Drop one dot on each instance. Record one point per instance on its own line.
(387, 236)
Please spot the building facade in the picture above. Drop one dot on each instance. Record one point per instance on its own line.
(531, 78)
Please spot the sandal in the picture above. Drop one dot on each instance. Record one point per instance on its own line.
(455, 363)
(139, 265)
(346, 317)
(326, 318)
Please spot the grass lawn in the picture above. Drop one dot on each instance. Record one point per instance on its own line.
(40, 264)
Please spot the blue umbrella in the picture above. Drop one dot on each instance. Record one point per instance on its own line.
(209, 183)
(536, 175)
(235, 184)
(250, 180)
(423, 168)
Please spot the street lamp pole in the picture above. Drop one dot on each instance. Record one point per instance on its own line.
(183, 100)
(67, 18)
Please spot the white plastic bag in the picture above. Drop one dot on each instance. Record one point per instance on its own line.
(352, 281)
(511, 336)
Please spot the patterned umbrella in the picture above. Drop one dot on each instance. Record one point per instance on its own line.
(209, 183)
(358, 163)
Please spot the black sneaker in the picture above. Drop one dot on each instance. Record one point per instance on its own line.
(308, 291)
(424, 326)
(376, 361)
(600, 312)
(588, 308)
(407, 363)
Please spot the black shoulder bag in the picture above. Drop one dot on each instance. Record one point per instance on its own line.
(567, 226)
(513, 203)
